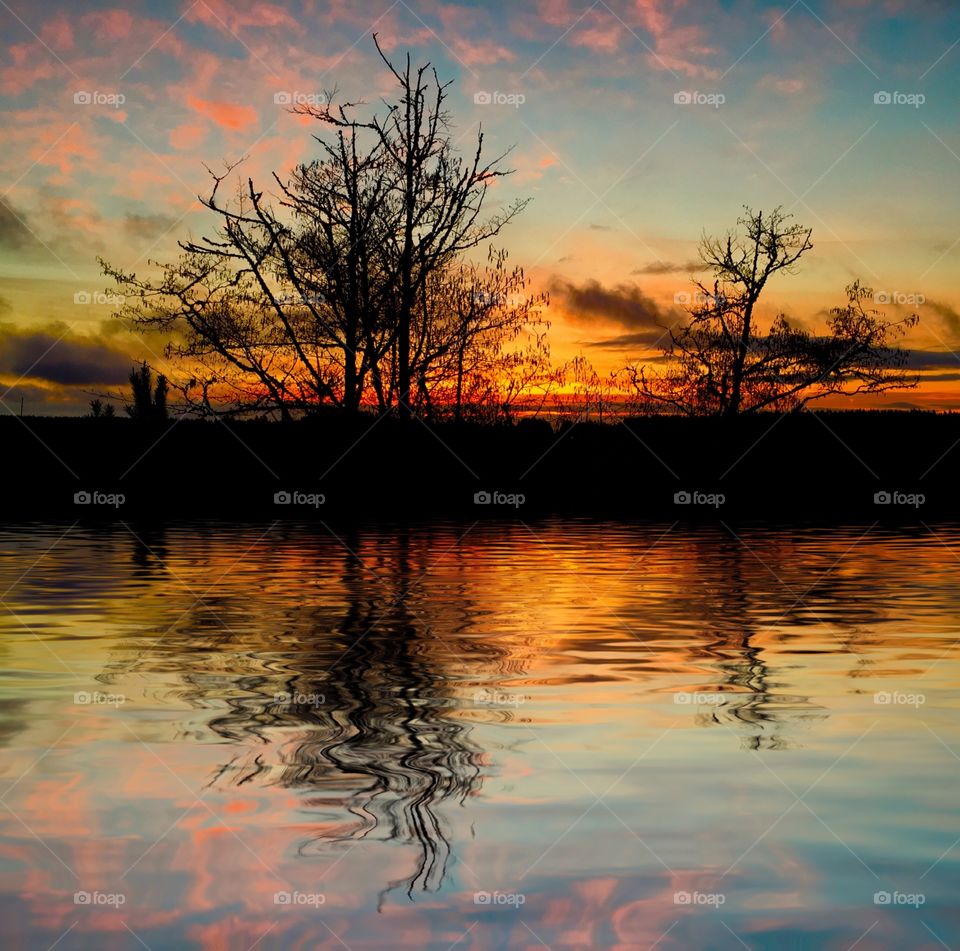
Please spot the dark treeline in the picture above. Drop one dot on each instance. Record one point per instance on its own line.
(856, 465)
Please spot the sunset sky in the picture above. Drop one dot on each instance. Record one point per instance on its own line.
(843, 112)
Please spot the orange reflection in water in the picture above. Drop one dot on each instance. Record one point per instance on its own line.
(383, 724)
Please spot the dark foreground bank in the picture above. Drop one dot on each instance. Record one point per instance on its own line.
(833, 465)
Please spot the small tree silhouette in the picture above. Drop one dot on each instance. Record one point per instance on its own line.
(149, 399)
(99, 410)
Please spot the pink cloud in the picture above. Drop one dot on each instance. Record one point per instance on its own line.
(27, 70)
(227, 115)
(646, 28)
(467, 30)
(787, 85)
(232, 17)
(111, 24)
(683, 50)
(76, 146)
(556, 12)
(57, 33)
(653, 15)
(599, 39)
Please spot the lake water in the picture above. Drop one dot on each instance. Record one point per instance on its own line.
(560, 735)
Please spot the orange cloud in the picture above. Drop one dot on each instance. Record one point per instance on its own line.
(225, 114)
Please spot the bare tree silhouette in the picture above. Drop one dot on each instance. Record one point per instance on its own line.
(722, 362)
(353, 288)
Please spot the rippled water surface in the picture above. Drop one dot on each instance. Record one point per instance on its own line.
(562, 735)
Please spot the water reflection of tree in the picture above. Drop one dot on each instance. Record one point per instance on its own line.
(725, 600)
(387, 750)
(764, 587)
(362, 682)
(751, 704)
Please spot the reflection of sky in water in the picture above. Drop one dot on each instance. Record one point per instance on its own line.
(588, 723)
